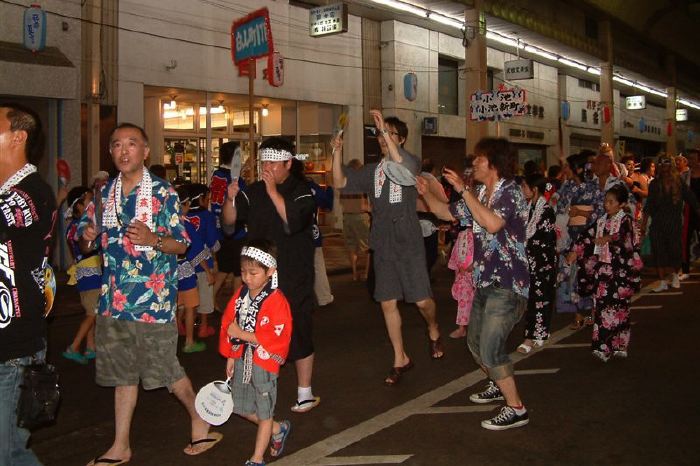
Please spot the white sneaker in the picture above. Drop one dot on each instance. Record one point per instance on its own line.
(683, 276)
(675, 281)
(662, 286)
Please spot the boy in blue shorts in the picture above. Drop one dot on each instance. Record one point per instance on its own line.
(255, 334)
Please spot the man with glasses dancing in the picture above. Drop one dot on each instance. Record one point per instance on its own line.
(395, 238)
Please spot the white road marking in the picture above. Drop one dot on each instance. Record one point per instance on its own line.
(665, 293)
(349, 460)
(460, 409)
(567, 345)
(690, 282)
(637, 308)
(536, 371)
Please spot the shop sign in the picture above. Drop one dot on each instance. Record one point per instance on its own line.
(497, 105)
(681, 114)
(251, 37)
(519, 69)
(34, 28)
(635, 102)
(274, 73)
(328, 19)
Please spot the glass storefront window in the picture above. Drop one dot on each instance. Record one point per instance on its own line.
(180, 117)
(219, 118)
(240, 121)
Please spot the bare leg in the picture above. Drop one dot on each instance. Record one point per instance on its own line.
(266, 428)
(353, 263)
(392, 319)
(86, 326)
(509, 391)
(305, 369)
(182, 389)
(189, 326)
(124, 403)
(427, 310)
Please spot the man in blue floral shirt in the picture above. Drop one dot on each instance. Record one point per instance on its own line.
(136, 219)
(499, 213)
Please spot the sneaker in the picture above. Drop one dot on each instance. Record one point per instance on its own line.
(662, 286)
(277, 440)
(74, 356)
(620, 354)
(602, 356)
(683, 276)
(195, 347)
(675, 281)
(506, 419)
(90, 354)
(492, 393)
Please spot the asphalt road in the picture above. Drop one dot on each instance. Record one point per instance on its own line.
(639, 411)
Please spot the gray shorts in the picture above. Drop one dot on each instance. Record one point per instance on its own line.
(206, 294)
(257, 397)
(402, 279)
(129, 352)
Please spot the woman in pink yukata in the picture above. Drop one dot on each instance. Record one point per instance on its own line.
(617, 266)
(461, 261)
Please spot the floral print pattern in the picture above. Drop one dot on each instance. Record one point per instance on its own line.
(542, 261)
(139, 285)
(499, 258)
(613, 284)
(461, 260)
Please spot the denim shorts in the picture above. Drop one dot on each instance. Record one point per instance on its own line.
(495, 311)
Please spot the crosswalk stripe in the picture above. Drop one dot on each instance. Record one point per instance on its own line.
(637, 308)
(459, 409)
(536, 371)
(567, 345)
(665, 293)
(349, 460)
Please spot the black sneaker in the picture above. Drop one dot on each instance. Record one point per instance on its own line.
(506, 419)
(492, 393)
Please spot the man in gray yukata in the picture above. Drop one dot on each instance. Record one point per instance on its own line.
(395, 237)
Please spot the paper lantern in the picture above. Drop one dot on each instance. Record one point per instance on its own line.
(410, 86)
(565, 110)
(606, 114)
(34, 28)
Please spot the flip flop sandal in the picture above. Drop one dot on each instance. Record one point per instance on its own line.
(524, 349)
(395, 373)
(306, 405)
(207, 443)
(106, 461)
(437, 351)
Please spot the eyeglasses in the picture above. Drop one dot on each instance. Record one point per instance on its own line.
(665, 162)
(375, 131)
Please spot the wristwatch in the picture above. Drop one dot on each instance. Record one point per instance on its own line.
(159, 243)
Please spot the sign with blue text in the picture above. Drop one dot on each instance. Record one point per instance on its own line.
(251, 37)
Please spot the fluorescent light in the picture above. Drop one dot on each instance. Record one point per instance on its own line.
(624, 81)
(403, 6)
(171, 114)
(501, 39)
(595, 71)
(219, 109)
(446, 20)
(540, 52)
(573, 64)
(689, 103)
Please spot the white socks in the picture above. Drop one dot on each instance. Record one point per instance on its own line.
(304, 393)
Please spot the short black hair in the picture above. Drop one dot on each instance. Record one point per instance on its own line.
(536, 180)
(129, 126)
(620, 192)
(530, 167)
(500, 154)
(398, 125)
(554, 171)
(159, 170)
(184, 192)
(645, 164)
(226, 152)
(25, 119)
(198, 190)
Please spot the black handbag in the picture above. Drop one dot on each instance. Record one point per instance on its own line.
(39, 396)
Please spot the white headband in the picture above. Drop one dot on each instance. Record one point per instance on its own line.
(264, 258)
(275, 155)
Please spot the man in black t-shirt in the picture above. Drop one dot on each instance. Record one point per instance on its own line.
(27, 214)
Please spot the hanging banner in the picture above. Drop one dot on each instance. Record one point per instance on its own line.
(518, 69)
(275, 69)
(34, 28)
(251, 37)
(497, 105)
